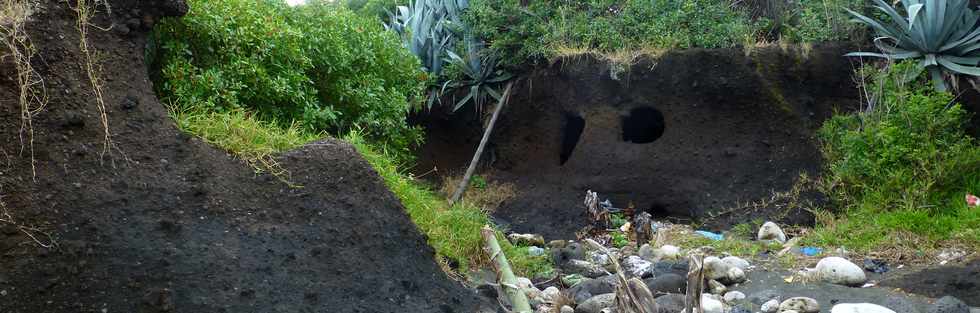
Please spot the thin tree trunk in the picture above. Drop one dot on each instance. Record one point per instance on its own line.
(505, 276)
(479, 150)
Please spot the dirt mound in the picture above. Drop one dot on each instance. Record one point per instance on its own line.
(165, 222)
(686, 134)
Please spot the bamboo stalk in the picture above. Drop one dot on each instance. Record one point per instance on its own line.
(695, 284)
(479, 150)
(505, 276)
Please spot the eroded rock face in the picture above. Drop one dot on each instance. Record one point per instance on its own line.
(727, 120)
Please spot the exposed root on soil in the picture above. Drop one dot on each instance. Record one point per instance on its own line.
(32, 96)
(31, 232)
(84, 9)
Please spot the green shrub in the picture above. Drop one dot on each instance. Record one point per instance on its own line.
(536, 32)
(318, 65)
(909, 150)
(821, 20)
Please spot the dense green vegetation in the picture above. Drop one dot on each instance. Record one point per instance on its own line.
(900, 167)
(315, 66)
(546, 29)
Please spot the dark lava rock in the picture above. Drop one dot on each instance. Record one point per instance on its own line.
(592, 287)
(875, 266)
(571, 251)
(667, 283)
(949, 304)
(73, 119)
(670, 267)
(670, 303)
(130, 102)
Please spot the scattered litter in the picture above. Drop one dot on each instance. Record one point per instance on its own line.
(609, 207)
(535, 251)
(972, 201)
(900, 266)
(789, 279)
(625, 228)
(875, 266)
(811, 251)
(710, 235)
(869, 285)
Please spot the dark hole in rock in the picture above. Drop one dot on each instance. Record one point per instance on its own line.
(572, 126)
(643, 125)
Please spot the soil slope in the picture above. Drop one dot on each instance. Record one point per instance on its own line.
(165, 222)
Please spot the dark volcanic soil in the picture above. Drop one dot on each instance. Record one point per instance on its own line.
(167, 223)
(687, 134)
(960, 281)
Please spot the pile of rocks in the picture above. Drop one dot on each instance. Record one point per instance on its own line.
(664, 269)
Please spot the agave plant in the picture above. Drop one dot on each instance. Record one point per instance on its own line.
(942, 33)
(480, 80)
(429, 28)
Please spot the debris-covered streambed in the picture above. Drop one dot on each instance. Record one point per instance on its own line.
(779, 276)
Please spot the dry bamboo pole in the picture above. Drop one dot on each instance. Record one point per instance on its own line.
(479, 150)
(695, 284)
(505, 276)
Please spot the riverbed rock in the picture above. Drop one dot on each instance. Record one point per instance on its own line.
(584, 268)
(670, 303)
(550, 294)
(800, 304)
(859, 308)
(637, 267)
(735, 276)
(590, 288)
(646, 252)
(716, 287)
(535, 251)
(674, 267)
(949, 304)
(667, 283)
(837, 270)
(597, 303)
(733, 296)
(711, 305)
(770, 306)
(667, 252)
(715, 269)
(571, 251)
(734, 261)
(567, 309)
(771, 231)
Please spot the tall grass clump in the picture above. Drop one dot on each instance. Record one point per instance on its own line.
(900, 168)
(318, 66)
(453, 231)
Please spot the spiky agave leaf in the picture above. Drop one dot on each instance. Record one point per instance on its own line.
(943, 34)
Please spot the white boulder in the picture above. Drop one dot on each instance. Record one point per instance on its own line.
(771, 231)
(837, 270)
(800, 304)
(859, 308)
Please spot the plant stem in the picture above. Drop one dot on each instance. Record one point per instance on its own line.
(479, 150)
(505, 276)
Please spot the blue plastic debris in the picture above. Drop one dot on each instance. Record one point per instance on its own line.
(811, 251)
(710, 235)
